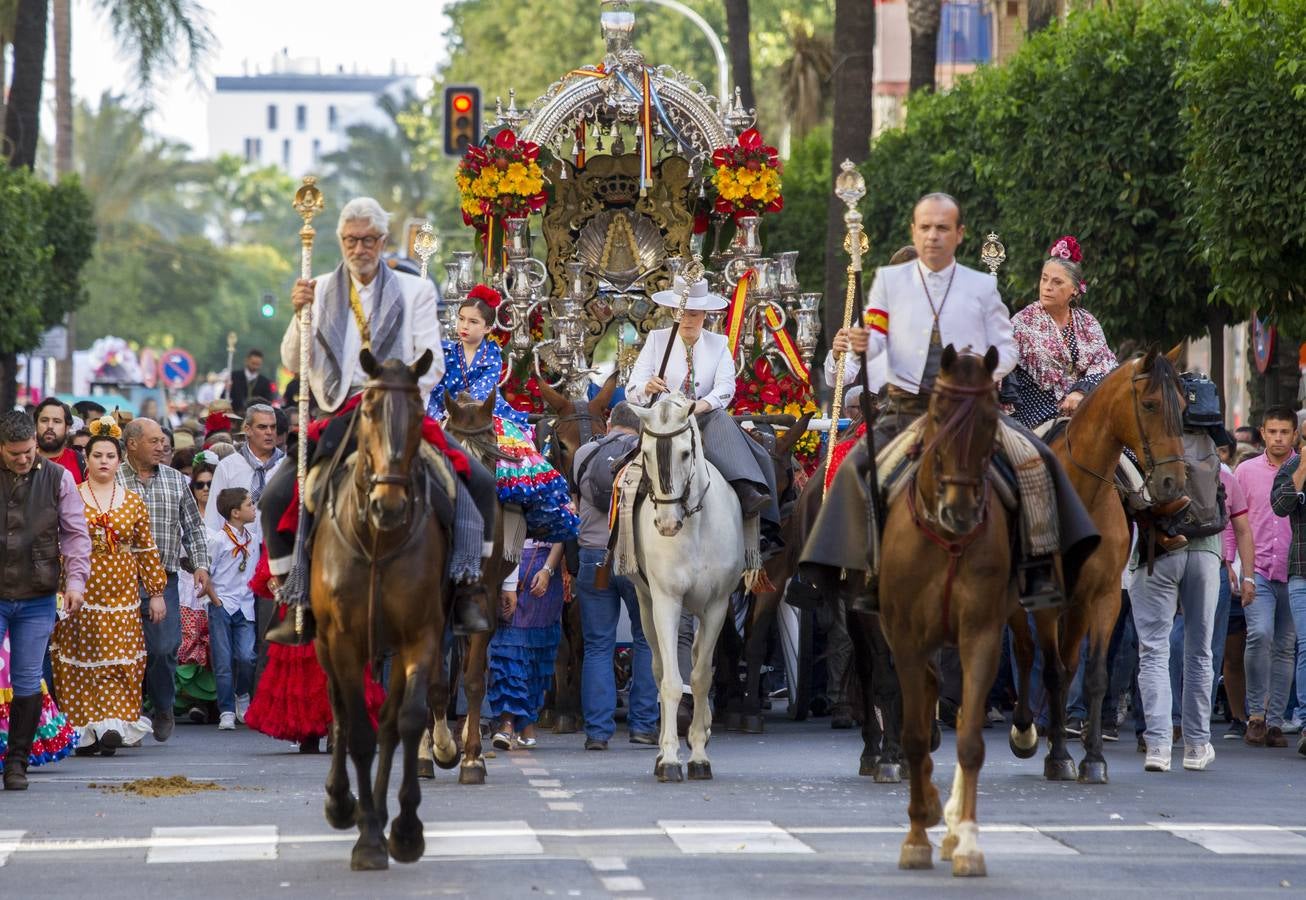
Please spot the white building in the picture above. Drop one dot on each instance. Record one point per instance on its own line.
(295, 114)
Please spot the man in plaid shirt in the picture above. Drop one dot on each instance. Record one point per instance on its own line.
(175, 521)
(1288, 498)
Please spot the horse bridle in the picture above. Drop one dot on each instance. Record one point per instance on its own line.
(374, 479)
(662, 446)
(974, 483)
(1151, 463)
(554, 452)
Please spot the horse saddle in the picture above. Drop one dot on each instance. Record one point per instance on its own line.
(897, 461)
(437, 477)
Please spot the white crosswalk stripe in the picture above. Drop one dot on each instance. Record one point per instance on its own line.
(732, 837)
(483, 839)
(212, 843)
(9, 843)
(1257, 840)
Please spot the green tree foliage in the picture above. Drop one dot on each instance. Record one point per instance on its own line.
(70, 234)
(1245, 80)
(807, 197)
(24, 264)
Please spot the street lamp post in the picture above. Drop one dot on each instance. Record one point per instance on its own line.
(722, 67)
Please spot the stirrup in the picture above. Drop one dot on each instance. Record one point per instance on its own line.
(1043, 593)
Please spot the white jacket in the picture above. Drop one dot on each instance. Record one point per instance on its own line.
(714, 368)
(421, 332)
(900, 318)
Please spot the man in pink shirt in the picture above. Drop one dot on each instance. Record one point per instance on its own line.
(1271, 636)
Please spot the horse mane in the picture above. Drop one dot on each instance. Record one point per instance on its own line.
(1164, 378)
(961, 424)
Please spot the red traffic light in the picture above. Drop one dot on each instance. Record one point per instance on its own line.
(462, 103)
(462, 118)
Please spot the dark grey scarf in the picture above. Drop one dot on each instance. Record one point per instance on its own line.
(261, 469)
(386, 324)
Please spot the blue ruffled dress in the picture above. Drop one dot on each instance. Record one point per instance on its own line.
(522, 651)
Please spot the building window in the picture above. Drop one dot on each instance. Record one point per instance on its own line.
(253, 150)
(317, 151)
(301, 117)
(272, 117)
(331, 118)
(285, 154)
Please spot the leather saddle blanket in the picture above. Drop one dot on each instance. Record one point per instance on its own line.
(897, 461)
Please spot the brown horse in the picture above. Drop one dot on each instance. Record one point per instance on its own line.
(1138, 406)
(472, 423)
(378, 581)
(573, 423)
(945, 578)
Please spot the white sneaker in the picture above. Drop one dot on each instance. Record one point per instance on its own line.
(227, 722)
(1198, 758)
(1158, 759)
(242, 707)
(1292, 726)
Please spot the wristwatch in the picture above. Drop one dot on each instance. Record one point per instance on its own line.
(549, 569)
(1248, 578)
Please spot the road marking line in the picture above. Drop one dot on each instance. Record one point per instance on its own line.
(9, 841)
(621, 883)
(607, 864)
(543, 773)
(514, 838)
(1245, 841)
(697, 837)
(212, 843)
(545, 783)
(555, 795)
(565, 807)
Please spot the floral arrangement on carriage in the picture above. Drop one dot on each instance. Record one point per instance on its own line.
(761, 390)
(747, 177)
(498, 180)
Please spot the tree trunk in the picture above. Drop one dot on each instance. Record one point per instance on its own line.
(23, 116)
(737, 43)
(63, 87)
(924, 18)
(1217, 318)
(854, 36)
(1041, 14)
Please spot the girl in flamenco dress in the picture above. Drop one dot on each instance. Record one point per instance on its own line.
(291, 702)
(55, 736)
(473, 365)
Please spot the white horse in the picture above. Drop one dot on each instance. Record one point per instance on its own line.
(689, 545)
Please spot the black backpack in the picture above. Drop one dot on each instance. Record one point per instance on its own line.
(1203, 409)
(611, 448)
(1207, 513)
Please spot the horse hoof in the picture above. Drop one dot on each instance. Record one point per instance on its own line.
(914, 856)
(425, 768)
(565, 724)
(699, 771)
(406, 845)
(472, 773)
(936, 736)
(733, 721)
(1059, 769)
(868, 765)
(369, 857)
(888, 773)
(669, 773)
(753, 725)
(340, 815)
(968, 865)
(1018, 748)
(1092, 771)
(948, 847)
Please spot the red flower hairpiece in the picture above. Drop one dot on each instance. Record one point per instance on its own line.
(486, 294)
(216, 422)
(1067, 248)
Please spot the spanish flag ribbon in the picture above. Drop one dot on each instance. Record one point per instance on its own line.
(877, 320)
(646, 123)
(597, 72)
(786, 344)
(104, 522)
(735, 317)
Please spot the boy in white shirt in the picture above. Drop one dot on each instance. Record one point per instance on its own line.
(234, 551)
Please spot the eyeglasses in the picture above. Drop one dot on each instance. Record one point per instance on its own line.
(369, 241)
(203, 485)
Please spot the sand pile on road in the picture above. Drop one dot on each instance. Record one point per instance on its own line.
(167, 786)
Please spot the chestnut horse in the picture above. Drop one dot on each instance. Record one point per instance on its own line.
(945, 578)
(378, 581)
(1138, 406)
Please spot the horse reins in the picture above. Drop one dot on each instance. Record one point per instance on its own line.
(663, 451)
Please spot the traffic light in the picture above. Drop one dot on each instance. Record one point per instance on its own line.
(269, 308)
(462, 119)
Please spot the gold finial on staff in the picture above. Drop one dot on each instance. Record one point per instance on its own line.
(425, 244)
(849, 187)
(992, 253)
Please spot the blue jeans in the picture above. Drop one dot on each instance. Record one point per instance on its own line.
(162, 641)
(1271, 640)
(231, 643)
(1297, 601)
(29, 624)
(600, 611)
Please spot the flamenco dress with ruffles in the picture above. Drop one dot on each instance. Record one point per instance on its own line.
(55, 736)
(196, 686)
(290, 702)
(525, 477)
(523, 649)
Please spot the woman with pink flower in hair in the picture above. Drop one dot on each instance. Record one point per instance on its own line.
(1063, 352)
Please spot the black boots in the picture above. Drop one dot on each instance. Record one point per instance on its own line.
(1038, 584)
(24, 714)
(469, 609)
(751, 500)
(287, 633)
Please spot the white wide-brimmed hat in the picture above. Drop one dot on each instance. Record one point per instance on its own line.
(699, 296)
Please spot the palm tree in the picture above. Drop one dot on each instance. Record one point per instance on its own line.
(923, 19)
(737, 42)
(805, 77)
(23, 114)
(8, 16)
(1041, 14)
(63, 87)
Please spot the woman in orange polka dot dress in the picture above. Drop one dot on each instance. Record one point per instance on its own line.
(99, 651)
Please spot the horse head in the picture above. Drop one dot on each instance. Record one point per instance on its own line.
(1147, 409)
(389, 434)
(575, 422)
(471, 421)
(958, 439)
(671, 451)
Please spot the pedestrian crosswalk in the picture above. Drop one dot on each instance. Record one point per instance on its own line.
(518, 838)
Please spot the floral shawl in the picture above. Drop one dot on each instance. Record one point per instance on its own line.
(1043, 353)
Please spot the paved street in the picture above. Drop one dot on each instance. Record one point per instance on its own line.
(786, 816)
